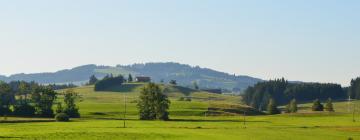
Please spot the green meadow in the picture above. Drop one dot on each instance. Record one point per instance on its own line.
(103, 118)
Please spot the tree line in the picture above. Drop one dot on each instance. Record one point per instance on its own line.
(20, 98)
(282, 92)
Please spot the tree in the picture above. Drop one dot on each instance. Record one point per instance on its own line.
(293, 106)
(196, 86)
(92, 80)
(272, 107)
(153, 104)
(108, 82)
(173, 82)
(130, 78)
(70, 98)
(317, 106)
(329, 106)
(5, 98)
(43, 98)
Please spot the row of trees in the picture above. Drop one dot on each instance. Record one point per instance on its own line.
(354, 89)
(293, 108)
(109, 81)
(282, 92)
(21, 98)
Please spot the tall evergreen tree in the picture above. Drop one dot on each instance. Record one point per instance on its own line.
(130, 78)
(92, 80)
(5, 98)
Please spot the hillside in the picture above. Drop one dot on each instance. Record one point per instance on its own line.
(184, 74)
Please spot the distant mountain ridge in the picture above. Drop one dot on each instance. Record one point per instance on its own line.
(184, 74)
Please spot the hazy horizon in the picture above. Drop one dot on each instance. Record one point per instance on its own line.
(311, 41)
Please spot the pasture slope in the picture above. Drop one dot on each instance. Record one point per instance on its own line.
(102, 118)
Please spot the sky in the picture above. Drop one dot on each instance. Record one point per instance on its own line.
(304, 40)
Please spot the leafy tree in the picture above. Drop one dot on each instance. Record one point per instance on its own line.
(130, 78)
(5, 98)
(329, 106)
(92, 80)
(293, 106)
(43, 98)
(196, 86)
(272, 107)
(153, 104)
(59, 108)
(317, 106)
(70, 98)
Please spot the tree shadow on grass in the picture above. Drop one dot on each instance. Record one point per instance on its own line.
(7, 137)
(25, 121)
(192, 120)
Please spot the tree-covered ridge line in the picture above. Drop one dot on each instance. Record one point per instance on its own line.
(282, 92)
(184, 74)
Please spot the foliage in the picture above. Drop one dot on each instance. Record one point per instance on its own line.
(272, 107)
(92, 80)
(293, 106)
(24, 110)
(329, 106)
(62, 117)
(196, 86)
(153, 104)
(61, 86)
(43, 98)
(173, 82)
(108, 82)
(282, 92)
(5, 98)
(317, 106)
(354, 89)
(130, 78)
(59, 108)
(70, 98)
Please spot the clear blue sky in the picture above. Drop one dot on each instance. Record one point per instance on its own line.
(307, 40)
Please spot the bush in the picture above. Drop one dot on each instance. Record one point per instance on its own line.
(24, 110)
(317, 106)
(188, 99)
(181, 99)
(62, 117)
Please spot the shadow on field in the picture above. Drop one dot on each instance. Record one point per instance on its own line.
(25, 121)
(191, 120)
(6, 137)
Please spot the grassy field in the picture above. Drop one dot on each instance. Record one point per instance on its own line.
(102, 118)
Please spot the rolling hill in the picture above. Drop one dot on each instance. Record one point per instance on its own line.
(184, 74)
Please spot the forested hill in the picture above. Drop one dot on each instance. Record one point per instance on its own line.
(184, 75)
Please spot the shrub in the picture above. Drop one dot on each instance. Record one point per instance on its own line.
(62, 117)
(188, 99)
(317, 106)
(181, 99)
(329, 106)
